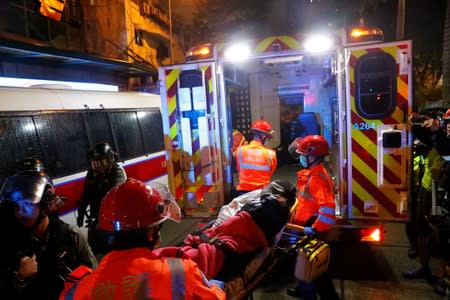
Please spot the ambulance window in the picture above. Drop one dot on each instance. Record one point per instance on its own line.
(375, 85)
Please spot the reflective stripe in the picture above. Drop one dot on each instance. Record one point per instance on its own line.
(71, 292)
(246, 166)
(177, 278)
(326, 210)
(205, 280)
(326, 220)
(254, 167)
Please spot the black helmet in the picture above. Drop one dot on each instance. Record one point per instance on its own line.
(30, 164)
(282, 188)
(26, 191)
(102, 156)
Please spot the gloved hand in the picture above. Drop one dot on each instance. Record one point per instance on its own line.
(218, 283)
(309, 231)
(80, 220)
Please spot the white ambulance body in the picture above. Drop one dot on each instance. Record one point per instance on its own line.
(357, 96)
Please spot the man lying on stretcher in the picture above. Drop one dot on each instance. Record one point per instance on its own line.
(240, 236)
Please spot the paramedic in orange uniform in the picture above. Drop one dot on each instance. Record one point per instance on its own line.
(133, 213)
(316, 205)
(255, 162)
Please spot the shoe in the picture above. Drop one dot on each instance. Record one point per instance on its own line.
(412, 252)
(304, 294)
(441, 289)
(419, 272)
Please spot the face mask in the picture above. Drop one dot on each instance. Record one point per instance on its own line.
(304, 161)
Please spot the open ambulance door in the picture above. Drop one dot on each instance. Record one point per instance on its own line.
(191, 135)
(378, 101)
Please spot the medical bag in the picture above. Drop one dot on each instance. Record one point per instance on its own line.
(313, 257)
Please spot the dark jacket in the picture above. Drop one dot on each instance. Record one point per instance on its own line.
(96, 187)
(63, 250)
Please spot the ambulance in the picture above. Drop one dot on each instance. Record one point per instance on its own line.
(352, 88)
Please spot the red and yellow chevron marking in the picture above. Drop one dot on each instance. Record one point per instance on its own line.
(198, 186)
(286, 43)
(172, 111)
(364, 150)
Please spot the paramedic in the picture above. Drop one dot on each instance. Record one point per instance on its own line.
(104, 174)
(439, 142)
(133, 214)
(39, 250)
(316, 206)
(255, 162)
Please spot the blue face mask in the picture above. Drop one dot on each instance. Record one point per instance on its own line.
(304, 161)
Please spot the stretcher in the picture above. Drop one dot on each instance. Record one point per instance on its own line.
(312, 260)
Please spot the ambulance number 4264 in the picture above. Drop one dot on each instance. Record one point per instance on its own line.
(364, 126)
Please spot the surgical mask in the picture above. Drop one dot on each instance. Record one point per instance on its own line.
(304, 161)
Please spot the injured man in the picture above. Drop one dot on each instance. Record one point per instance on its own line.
(224, 250)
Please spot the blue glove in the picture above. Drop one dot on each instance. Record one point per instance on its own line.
(218, 283)
(309, 231)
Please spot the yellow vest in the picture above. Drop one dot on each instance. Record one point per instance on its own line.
(433, 165)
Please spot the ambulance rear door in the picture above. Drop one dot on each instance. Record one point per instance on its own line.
(378, 101)
(191, 134)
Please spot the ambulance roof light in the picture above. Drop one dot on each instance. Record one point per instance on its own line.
(237, 52)
(363, 33)
(203, 51)
(318, 43)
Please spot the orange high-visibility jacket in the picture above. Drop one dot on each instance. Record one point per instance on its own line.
(256, 165)
(140, 274)
(315, 198)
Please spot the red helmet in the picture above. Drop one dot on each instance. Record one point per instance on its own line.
(263, 126)
(447, 115)
(313, 145)
(135, 205)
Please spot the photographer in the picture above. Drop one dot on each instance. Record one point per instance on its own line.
(38, 249)
(439, 144)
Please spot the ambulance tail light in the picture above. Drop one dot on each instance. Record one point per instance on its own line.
(199, 52)
(374, 235)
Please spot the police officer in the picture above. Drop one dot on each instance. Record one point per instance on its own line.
(316, 206)
(134, 213)
(255, 162)
(104, 174)
(38, 250)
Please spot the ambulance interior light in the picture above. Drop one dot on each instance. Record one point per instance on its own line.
(237, 52)
(318, 43)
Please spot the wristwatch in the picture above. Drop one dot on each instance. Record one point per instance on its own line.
(18, 281)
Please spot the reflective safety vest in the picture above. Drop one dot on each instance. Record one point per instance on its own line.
(315, 196)
(52, 9)
(256, 165)
(432, 170)
(140, 274)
